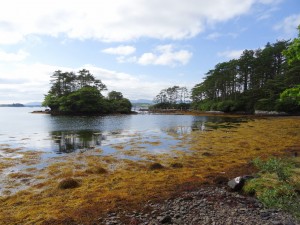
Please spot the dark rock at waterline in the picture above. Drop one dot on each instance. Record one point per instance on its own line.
(237, 183)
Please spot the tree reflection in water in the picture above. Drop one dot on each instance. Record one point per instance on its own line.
(70, 141)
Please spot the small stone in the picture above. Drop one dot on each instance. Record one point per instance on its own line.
(165, 219)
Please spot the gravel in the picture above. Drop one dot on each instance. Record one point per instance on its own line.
(208, 205)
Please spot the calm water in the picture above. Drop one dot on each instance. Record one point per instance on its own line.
(119, 136)
(62, 134)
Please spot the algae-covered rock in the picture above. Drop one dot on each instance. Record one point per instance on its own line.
(156, 166)
(68, 183)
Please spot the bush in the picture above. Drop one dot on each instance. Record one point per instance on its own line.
(289, 100)
(280, 167)
(226, 106)
(265, 105)
(288, 105)
(275, 185)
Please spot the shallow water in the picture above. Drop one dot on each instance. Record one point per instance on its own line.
(62, 134)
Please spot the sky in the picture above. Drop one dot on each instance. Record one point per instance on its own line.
(137, 47)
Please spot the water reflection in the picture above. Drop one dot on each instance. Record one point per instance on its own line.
(211, 123)
(70, 141)
(177, 131)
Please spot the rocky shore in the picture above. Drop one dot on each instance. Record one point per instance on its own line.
(208, 205)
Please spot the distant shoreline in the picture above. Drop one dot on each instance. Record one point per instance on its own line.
(12, 105)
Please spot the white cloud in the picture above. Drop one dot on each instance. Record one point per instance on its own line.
(13, 57)
(230, 54)
(213, 36)
(120, 50)
(165, 55)
(289, 25)
(118, 20)
(25, 83)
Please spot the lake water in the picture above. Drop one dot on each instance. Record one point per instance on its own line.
(31, 142)
(62, 134)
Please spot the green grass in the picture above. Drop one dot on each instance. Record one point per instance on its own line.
(277, 184)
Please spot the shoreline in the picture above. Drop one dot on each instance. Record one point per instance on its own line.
(207, 205)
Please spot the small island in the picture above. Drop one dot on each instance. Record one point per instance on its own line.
(12, 105)
(80, 94)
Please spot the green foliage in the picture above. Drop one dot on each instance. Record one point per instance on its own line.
(172, 98)
(280, 167)
(289, 100)
(119, 106)
(274, 186)
(114, 95)
(291, 93)
(84, 100)
(254, 81)
(265, 104)
(293, 52)
(226, 106)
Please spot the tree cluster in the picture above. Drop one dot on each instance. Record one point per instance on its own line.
(252, 82)
(80, 93)
(173, 97)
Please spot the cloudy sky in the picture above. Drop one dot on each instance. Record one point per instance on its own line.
(137, 47)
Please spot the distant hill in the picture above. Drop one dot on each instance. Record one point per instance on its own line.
(33, 104)
(141, 101)
(12, 105)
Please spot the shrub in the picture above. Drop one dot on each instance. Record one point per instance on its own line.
(226, 106)
(287, 105)
(280, 167)
(265, 104)
(275, 185)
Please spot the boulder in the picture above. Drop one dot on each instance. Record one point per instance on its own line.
(237, 183)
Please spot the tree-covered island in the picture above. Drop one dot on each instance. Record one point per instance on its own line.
(80, 94)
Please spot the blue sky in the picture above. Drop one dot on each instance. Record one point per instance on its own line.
(137, 47)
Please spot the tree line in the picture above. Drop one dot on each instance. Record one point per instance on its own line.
(80, 93)
(262, 79)
(173, 97)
